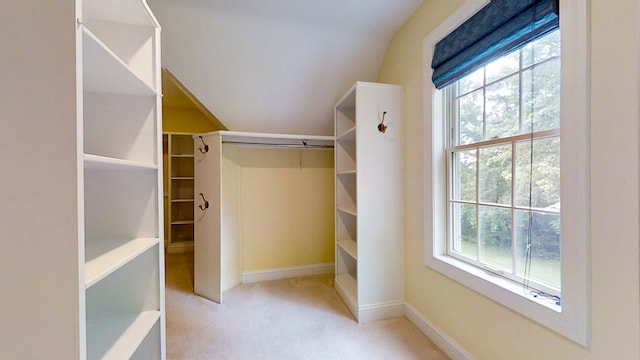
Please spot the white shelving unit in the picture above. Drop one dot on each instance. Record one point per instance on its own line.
(369, 205)
(180, 209)
(123, 270)
(86, 257)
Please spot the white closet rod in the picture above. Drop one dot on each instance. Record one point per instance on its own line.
(303, 145)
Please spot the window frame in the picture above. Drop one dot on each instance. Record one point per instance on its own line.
(572, 318)
(452, 94)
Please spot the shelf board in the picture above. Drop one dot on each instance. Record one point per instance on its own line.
(271, 139)
(182, 156)
(118, 337)
(349, 135)
(105, 257)
(182, 222)
(182, 178)
(348, 211)
(105, 72)
(97, 162)
(350, 247)
(182, 200)
(346, 172)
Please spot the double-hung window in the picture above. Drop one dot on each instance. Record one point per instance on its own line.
(503, 167)
(506, 139)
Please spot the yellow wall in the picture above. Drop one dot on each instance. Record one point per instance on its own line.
(286, 212)
(484, 328)
(188, 120)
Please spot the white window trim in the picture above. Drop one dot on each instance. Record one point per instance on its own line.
(573, 319)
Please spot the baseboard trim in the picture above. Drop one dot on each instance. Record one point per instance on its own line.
(375, 312)
(452, 349)
(287, 272)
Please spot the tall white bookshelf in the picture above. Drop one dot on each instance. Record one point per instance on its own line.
(369, 201)
(103, 199)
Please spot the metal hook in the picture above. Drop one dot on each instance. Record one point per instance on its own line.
(206, 147)
(206, 203)
(382, 127)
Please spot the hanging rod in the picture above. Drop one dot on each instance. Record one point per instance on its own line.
(303, 145)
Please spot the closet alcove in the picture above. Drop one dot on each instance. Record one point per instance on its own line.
(264, 208)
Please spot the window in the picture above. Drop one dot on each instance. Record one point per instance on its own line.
(477, 207)
(503, 167)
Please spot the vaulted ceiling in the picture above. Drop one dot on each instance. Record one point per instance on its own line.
(276, 65)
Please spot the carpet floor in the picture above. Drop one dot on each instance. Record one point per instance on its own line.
(301, 318)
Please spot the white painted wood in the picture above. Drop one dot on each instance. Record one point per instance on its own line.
(120, 126)
(207, 242)
(121, 204)
(104, 71)
(376, 312)
(445, 343)
(121, 335)
(105, 257)
(346, 287)
(120, 11)
(288, 272)
(230, 232)
(82, 199)
(133, 44)
(369, 200)
(97, 162)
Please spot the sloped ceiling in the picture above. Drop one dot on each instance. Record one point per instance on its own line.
(276, 65)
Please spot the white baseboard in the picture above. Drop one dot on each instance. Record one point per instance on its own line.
(287, 272)
(437, 336)
(381, 311)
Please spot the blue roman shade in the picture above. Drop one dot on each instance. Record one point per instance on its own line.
(497, 29)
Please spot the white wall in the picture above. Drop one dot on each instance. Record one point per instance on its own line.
(486, 329)
(39, 286)
(265, 73)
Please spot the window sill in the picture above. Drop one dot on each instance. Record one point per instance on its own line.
(478, 279)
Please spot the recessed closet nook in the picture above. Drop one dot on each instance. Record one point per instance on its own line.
(270, 206)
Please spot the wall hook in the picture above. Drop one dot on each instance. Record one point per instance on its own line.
(382, 127)
(206, 203)
(203, 149)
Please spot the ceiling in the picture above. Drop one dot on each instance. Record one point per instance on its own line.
(276, 65)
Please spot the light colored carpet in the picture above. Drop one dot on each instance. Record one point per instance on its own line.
(302, 318)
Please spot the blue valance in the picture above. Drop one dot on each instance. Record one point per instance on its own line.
(497, 29)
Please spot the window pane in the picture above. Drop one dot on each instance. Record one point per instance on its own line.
(495, 174)
(471, 81)
(464, 179)
(545, 185)
(541, 97)
(545, 246)
(502, 67)
(495, 237)
(541, 49)
(470, 109)
(502, 108)
(464, 231)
